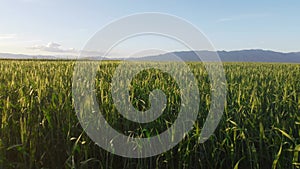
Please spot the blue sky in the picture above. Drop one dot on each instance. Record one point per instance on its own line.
(37, 26)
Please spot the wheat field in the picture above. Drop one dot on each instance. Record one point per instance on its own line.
(260, 127)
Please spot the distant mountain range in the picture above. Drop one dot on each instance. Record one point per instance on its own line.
(21, 56)
(253, 55)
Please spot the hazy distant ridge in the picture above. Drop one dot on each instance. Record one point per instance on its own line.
(232, 56)
(254, 55)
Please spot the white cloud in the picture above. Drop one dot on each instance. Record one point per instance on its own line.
(243, 17)
(8, 36)
(53, 47)
(57, 48)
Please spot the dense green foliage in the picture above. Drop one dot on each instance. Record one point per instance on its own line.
(260, 127)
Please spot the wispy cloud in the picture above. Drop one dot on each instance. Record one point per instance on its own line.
(53, 47)
(8, 36)
(243, 17)
(57, 48)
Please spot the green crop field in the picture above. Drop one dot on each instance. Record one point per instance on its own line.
(260, 127)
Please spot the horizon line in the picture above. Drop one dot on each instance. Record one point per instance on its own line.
(219, 50)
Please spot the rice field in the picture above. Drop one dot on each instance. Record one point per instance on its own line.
(260, 127)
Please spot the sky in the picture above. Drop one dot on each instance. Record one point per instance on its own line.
(63, 27)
